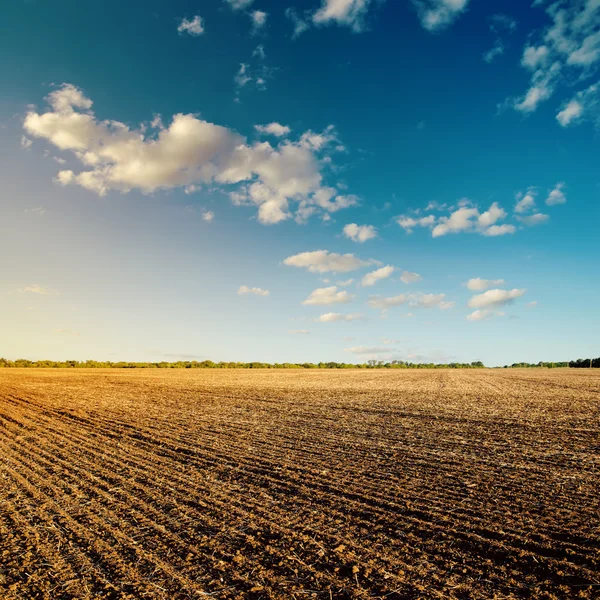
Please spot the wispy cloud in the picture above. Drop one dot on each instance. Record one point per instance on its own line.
(38, 289)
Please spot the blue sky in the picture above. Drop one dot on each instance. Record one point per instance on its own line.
(203, 180)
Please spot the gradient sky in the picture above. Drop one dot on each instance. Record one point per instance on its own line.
(203, 179)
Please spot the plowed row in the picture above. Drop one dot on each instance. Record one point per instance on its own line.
(299, 484)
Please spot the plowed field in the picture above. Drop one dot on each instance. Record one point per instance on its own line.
(299, 484)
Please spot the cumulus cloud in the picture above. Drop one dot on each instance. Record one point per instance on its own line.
(478, 285)
(567, 49)
(323, 261)
(275, 129)
(469, 219)
(526, 202)
(495, 298)
(259, 19)
(328, 295)
(360, 233)
(25, 142)
(38, 289)
(244, 289)
(189, 153)
(465, 219)
(409, 223)
(335, 317)
(299, 332)
(496, 230)
(373, 277)
(208, 216)
(349, 13)
(408, 277)
(556, 196)
(194, 26)
(436, 15)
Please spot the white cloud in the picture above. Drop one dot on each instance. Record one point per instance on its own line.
(38, 289)
(478, 285)
(189, 152)
(465, 218)
(373, 277)
(328, 295)
(273, 129)
(25, 142)
(299, 332)
(335, 317)
(571, 112)
(385, 303)
(496, 230)
(259, 52)
(556, 196)
(360, 233)
(409, 223)
(408, 277)
(300, 24)
(585, 105)
(323, 261)
(194, 26)
(567, 49)
(535, 219)
(490, 216)
(495, 298)
(484, 315)
(367, 350)
(534, 57)
(208, 216)
(525, 203)
(532, 304)
(469, 219)
(244, 289)
(350, 13)
(259, 19)
(65, 177)
(239, 4)
(36, 210)
(435, 15)
(500, 26)
(345, 283)
(430, 301)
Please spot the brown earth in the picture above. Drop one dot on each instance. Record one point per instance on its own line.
(299, 484)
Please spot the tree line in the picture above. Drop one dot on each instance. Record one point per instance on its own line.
(580, 363)
(209, 364)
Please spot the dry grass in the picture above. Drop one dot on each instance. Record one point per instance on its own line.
(299, 484)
